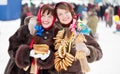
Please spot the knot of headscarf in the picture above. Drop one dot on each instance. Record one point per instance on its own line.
(39, 29)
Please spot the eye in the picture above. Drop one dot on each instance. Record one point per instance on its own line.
(50, 16)
(59, 14)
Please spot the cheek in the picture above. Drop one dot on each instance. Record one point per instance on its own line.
(70, 17)
(42, 19)
(51, 20)
(59, 17)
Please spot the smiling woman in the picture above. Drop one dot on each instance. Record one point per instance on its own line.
(31, 47)
(74, 49)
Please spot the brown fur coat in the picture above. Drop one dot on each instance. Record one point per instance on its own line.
(19, 50)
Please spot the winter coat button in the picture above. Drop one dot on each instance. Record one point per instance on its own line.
(45, 37)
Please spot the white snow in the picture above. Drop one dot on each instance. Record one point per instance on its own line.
(109, 42)
(7, 28)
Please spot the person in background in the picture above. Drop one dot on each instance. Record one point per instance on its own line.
(67, 26)
(109, 12)
(31, 48)
(25, 11)
(117, 23)
(33, 9)
(92, 21)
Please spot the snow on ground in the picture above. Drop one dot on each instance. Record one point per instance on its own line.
(109, 42)
(7, 28)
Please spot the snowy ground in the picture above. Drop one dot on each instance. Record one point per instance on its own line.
(108, 41)
(7, 28)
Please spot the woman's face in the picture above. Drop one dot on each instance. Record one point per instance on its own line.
(46, 19)
(64, 16)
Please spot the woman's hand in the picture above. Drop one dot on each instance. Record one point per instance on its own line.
(82, 46)
(42, 56)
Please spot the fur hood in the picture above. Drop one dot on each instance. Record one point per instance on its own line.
(31, 21)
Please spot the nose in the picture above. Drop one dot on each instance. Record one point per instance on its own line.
(63, 15)
(45, 18)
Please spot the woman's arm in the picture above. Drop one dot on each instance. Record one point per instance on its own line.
(17, 43)
(95, 49)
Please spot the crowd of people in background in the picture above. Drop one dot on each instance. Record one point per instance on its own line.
(103, 12)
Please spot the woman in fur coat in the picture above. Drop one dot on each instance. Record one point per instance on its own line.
(67, 22)
(40, 30)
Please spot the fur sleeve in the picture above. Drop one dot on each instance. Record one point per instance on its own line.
(21, 36)
(95, 49)
(22, 58)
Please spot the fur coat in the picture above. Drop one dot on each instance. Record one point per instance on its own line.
(95, 55)
(19, 50)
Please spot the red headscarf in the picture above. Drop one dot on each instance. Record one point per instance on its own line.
(39, 15)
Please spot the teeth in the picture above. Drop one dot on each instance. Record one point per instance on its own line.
(45, 22)
(64, 19)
